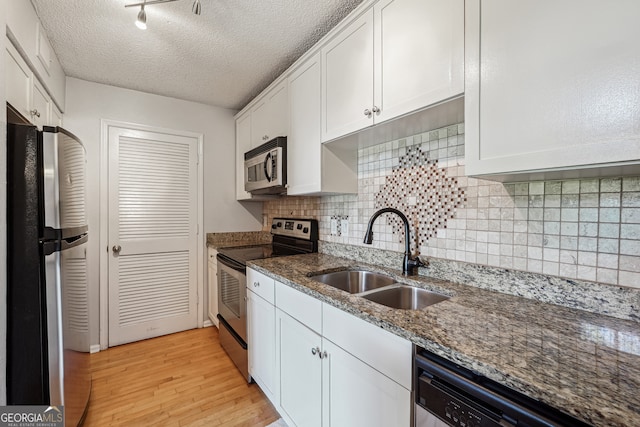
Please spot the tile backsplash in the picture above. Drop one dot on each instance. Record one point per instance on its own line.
(585, 229)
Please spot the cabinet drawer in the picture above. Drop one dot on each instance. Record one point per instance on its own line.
(261, 285)
(302, 307)
(380, 349)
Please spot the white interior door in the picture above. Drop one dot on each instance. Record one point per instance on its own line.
(153, 234)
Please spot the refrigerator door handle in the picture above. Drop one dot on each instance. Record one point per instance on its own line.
(52, 246)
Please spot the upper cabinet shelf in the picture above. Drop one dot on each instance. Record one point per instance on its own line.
(397, 57)
(552, 92)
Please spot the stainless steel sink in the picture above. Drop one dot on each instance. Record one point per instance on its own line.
(354, 281)
(405, 297)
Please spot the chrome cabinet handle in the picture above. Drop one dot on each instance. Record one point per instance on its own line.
(116, 249)
(34, 112)
(256, 284)
(375, 109)
(367, 112)
(323, 355)
(315, 350)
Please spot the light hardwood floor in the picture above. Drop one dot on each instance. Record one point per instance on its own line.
(184, 379)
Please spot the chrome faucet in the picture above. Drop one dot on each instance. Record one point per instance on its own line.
(409, 264)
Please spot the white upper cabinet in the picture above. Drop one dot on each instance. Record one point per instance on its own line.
(552, 88)
(347, 79)
(419, 59)
(40, 106)
(398, 57)
(24, 30)
(243, 144)
(18, 81)
(270, 115)
(312, 167)
(26, 94)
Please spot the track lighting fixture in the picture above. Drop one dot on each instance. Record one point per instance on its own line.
(141, 22)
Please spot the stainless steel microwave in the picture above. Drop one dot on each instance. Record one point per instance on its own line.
(265, 168)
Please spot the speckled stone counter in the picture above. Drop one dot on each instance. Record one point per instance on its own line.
(243, 238)
(583, 363)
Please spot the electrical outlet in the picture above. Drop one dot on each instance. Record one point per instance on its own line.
(344, 227)
(334, 226)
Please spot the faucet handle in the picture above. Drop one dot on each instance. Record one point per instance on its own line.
(413, 263)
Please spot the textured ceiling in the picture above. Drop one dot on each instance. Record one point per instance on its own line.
(224, 57)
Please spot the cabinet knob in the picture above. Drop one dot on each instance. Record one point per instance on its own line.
(314, 351)
(367, 112)
(256, 284)
(35, 113)
(375, 109)
(323, 355)
(116, 249)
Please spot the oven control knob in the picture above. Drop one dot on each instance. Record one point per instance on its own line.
(299, 227)
(274, 226)
(279, 224)
(305, 230)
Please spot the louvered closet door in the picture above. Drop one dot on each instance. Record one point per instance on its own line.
(152, 234)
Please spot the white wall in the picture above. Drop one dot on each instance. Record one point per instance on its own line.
(88, 103)
(3, 210)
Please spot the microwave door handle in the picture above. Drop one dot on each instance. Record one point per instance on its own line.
(267, 163)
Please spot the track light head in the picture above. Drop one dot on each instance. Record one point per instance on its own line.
(141, 22)
(196, 8)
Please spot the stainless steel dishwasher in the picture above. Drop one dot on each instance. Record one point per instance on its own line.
(449, 395)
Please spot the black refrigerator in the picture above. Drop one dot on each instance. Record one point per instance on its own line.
(47, 290)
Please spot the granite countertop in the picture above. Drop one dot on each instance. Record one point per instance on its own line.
(242, 238)
(583, 363)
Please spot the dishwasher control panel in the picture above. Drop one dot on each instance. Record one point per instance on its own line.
(443, 403)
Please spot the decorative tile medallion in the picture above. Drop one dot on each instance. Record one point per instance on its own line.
(423, 192)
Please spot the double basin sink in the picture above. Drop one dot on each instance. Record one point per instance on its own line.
(381, 289)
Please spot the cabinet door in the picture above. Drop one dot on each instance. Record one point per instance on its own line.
(303, 143)
(212, 280)
(269, 117)
(40, 106)
(18, 81)
(261, 343)
(347, 79)
(56, 116)
(243, 144)
(300, 372)
(355, 394)
(419, 58)
(551, 90)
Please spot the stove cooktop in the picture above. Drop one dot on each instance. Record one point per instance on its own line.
(290, 237)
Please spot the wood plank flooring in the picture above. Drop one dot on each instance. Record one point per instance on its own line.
(183, 379)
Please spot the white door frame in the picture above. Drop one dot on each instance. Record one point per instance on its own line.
(104, 215)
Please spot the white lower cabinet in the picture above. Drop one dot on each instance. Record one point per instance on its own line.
(261, 337)
(355, 394)
(300, 372)
(212, 281)
(316, 382)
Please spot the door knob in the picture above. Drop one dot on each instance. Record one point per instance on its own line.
(116, 249)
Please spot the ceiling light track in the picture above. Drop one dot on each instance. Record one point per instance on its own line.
(141, 21)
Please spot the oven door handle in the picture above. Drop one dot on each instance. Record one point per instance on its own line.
(233, 264)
